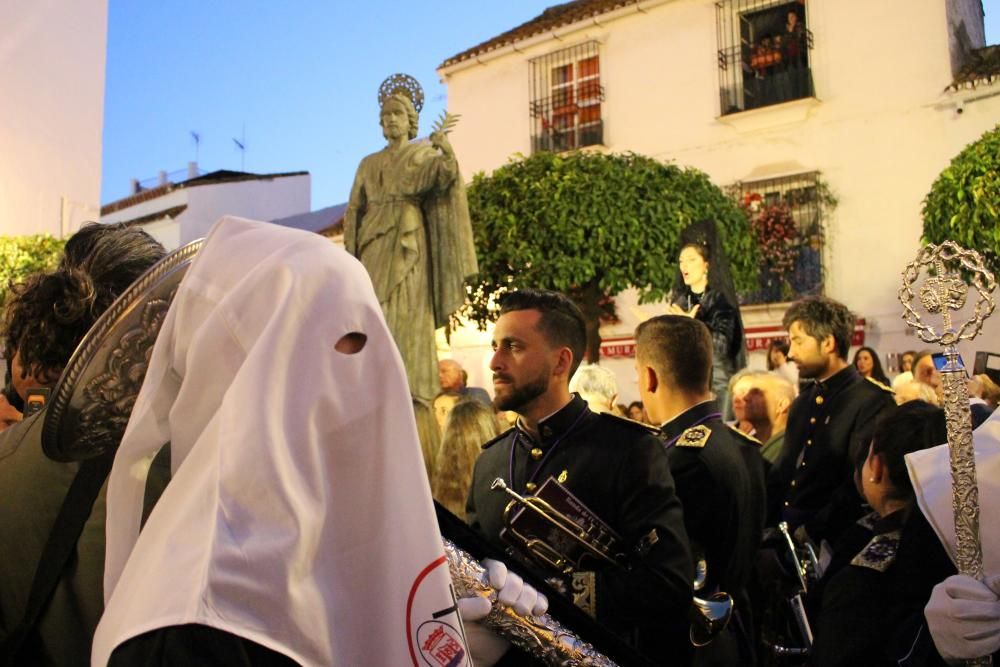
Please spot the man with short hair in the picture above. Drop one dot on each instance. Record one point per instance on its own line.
(812, 482)
(768, 402)
(718, 470)
(614, 467)
(453, 379)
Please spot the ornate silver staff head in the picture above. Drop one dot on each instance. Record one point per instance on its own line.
(93, 400)
(953, 270)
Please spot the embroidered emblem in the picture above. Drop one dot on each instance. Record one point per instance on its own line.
(563, 476)
(880, 552)
(584, 588)
(696, 436)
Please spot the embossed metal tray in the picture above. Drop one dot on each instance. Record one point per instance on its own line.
(93, 400)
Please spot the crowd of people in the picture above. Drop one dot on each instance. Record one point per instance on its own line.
(299, 478)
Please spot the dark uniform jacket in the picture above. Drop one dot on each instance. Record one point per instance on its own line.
(719, 475)
(619, 470)
(829, 427)
(873, 595)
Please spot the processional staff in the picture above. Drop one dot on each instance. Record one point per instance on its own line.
(952, 269)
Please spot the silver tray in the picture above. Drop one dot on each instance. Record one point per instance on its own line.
(91, 404)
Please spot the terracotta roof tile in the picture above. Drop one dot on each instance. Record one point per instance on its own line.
(981, 68)
(550, 19)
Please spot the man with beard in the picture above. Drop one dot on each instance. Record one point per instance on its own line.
(614, 467)
(829, 424)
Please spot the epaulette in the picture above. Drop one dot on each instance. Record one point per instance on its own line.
(883, 387)
(487, 445)
(630, 422)
(696, 437)
(869, 520)
(880, 553)
(745, 436)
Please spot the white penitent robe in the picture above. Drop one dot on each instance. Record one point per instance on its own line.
(930, 473)
(298, 515)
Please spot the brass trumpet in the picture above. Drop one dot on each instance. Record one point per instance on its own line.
(568, 542)
(561, 533)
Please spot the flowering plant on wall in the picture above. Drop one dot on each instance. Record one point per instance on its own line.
(776, 234)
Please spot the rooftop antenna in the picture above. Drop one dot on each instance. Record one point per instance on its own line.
(197, 143)
(241, 146)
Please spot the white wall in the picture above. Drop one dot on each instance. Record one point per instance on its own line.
(881, 132)
(52, 57)
(259, 199)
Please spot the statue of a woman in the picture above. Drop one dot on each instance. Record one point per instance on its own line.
(408, 222)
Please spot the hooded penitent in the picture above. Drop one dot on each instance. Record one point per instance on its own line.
(298, 515)
(930, 473)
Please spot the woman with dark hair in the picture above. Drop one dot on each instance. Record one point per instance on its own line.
(45, 318)
(703, 289)
(875, 589)
(867, 362)
(49, 313)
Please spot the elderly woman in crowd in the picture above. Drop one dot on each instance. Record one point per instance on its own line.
(597, 386)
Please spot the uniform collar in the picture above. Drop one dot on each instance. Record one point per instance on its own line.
(553, 427)
(838, 380)
(889, 522)
(695, 414)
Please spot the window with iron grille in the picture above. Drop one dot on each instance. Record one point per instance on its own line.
(787, 220)
(763, 53)
(566, 99)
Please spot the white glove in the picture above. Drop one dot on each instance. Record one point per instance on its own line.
(963, 615)
(485, 646)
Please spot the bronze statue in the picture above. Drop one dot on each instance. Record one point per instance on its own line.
(408, 222)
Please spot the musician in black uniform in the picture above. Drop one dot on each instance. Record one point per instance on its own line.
(829, 424)
(718, 471)
(872, 596)
(615, 467)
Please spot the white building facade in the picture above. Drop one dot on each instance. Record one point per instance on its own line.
(862, 106)
(52, 62)
(177, 213)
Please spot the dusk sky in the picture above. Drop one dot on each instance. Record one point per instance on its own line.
(301, 77)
